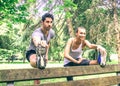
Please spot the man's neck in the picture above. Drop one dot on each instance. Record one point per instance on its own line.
(44, 31)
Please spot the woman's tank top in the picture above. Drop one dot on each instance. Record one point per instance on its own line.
(77, 53)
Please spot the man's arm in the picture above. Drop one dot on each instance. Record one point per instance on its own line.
(47, 52)
(36, 41)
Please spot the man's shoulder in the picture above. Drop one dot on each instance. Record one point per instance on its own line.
(38, 30)
(52, 32)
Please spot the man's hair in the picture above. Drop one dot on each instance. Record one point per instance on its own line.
(47, 15)
(80, 28)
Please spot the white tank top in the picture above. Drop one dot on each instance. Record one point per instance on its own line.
(77, 53)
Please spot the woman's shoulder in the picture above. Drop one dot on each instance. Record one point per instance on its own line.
(86, 41)
(71, 39)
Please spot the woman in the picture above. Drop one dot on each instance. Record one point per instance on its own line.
(73, 51)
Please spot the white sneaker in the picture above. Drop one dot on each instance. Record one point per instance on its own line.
(40, 57)
(40, 62)
(101, 59)
(101, 55)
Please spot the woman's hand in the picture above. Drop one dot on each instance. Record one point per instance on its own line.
(79, 60)
(101, 49)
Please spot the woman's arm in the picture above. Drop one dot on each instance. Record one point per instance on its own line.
(94, 46)
(67, 51)
(91, 46)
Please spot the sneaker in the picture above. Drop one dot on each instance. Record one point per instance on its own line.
(40, 54)
(101, 60)
(40, 62)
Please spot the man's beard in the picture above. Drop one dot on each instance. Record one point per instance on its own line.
(48, 28)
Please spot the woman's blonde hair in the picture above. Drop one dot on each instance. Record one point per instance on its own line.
(79, 28)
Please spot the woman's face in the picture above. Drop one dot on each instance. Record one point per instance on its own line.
(81, 34)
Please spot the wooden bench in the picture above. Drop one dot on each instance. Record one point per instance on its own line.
(14, 75)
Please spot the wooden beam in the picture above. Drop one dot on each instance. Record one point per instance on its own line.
(34, 73)
(101, 81)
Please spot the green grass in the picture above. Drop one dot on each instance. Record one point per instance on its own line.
(112, 62)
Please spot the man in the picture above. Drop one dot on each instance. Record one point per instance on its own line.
(40, 39)
(73, 51)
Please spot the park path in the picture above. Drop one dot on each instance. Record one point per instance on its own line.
(21, 66)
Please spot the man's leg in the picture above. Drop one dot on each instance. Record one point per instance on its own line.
(33, 64)
(31, 57)
(33, 60)
(36, 82)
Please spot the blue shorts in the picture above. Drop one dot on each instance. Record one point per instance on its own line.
(29, 53)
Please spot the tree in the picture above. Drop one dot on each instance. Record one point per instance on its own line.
(116, 27)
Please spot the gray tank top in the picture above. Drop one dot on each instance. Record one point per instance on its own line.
(77, 53)
(38, 32)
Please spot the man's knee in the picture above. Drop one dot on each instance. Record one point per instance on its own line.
(33, 60)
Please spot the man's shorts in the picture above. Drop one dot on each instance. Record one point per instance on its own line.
(83, 63)
(29, 53)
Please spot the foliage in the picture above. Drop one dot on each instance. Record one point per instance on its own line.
(5, 53)
(98, 23)
(19, 19)
(13, 14)
(13, 10)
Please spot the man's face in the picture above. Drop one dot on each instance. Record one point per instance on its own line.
(47, 23)
(81, 34)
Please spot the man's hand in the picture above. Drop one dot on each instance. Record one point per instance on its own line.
(46, 58)
(43, 43)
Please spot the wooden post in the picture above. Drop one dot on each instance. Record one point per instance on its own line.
(10, 83)
(118, 74)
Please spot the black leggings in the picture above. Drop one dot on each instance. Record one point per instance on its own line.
(83, 63)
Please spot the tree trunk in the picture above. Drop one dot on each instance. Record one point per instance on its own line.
(70, 27)
(69, 23)
(117, 29)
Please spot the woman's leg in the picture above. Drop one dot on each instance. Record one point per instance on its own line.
(93, 62)
(69, 78)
